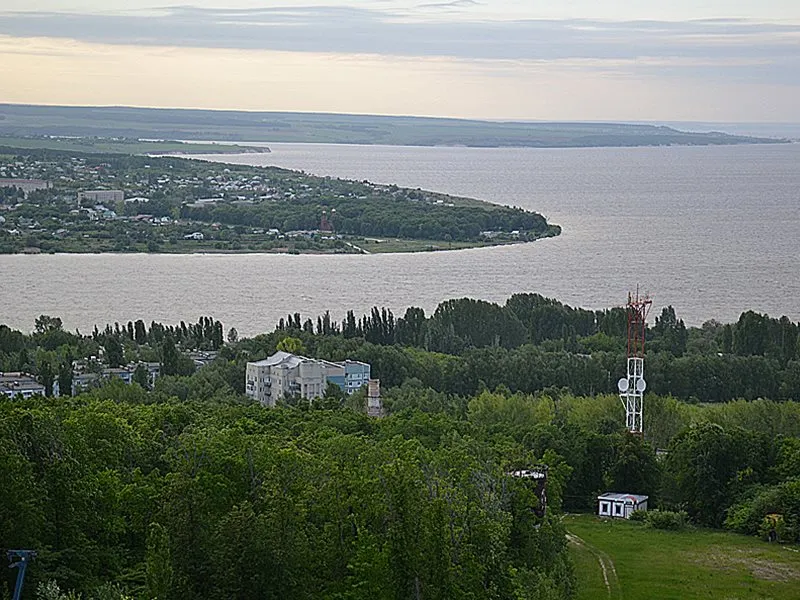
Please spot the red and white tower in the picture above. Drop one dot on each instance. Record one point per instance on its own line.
(631, 388)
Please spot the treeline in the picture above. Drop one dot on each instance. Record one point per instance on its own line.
(166, 499)
(51, 353)
(378, 215)
(206, 334)
(532, 343)
(529, 344)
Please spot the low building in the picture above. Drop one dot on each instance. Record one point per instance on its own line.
(201, 358)
(620, 506)
(284, 374)
(153, 370)
(18, 384)
(82, 382)
(102, 196)
(197, 235)
(126, 375)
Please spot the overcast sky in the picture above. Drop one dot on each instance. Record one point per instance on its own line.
(704, 60)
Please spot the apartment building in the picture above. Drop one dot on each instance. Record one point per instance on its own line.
(20, 384)
(26, 185)
(284, 374)
(102, 196)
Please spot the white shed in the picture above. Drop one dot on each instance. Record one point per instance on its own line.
(620, 506)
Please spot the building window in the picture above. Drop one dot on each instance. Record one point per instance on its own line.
(618, 509)
(604, 508)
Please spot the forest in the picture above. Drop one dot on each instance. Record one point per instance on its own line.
(184, 489)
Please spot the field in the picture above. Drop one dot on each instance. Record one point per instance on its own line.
(123, 146)
(620, 559)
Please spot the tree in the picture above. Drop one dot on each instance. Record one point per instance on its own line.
(634, 467)
(45, 324)
(140, 332)
(169, 357)
(233, 335)
(158, 563)
(47, 375)
(670, 332)
(65, 376)
(114, 351)
(334, 393)
(292, 345)
(141, 376)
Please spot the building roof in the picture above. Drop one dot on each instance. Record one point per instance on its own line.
(15, 383)
(281, 358)
(617, 496)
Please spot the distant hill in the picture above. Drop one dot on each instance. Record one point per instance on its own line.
(182, 124)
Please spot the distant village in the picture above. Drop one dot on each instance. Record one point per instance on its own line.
(64, 203)
(90, 373)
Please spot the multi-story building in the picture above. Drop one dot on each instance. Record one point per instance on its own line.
(356, 375)
(284, 374)
(102, 196)
(26, 185)
(20, 384)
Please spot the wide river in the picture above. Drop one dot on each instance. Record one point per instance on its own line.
(712, 231)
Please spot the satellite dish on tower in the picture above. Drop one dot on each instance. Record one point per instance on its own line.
(622, 384)
(641, 385)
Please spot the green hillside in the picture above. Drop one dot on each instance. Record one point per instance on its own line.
(179, 124)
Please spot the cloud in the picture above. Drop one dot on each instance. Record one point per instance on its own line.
(449, 6)
(745, 49)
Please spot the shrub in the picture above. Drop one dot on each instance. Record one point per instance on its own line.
(639, 516)
(667, 519)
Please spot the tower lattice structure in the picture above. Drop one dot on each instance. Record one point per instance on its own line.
(632, 387)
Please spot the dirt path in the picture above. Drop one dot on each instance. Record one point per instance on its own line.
(606, 565)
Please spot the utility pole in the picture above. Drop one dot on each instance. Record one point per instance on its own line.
(19, 559)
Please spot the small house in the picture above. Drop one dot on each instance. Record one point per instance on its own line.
(620, 506)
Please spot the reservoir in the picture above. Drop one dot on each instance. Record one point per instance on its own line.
(712, 231)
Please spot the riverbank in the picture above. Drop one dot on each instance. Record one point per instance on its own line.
(257, 244)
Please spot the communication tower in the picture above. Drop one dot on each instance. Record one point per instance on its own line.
(632, 387)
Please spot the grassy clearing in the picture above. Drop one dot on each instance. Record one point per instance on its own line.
(666, 565)
(385, 245)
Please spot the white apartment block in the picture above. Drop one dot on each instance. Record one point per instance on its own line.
(102, 196)
(284, 374)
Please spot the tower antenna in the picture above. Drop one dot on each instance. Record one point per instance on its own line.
(632, 387)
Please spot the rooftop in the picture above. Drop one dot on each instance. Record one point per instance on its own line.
(633, 498)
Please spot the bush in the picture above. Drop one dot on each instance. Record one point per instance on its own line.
(667, 519)
(640, 516)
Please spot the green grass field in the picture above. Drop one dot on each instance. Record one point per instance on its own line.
(621, 559)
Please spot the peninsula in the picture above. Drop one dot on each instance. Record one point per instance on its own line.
(65, 201)
(251, 126)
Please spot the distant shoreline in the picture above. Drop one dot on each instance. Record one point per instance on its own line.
(329, 128)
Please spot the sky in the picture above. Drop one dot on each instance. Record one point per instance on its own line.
(619, 60)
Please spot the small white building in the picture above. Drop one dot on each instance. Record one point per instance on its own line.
(620, 506)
